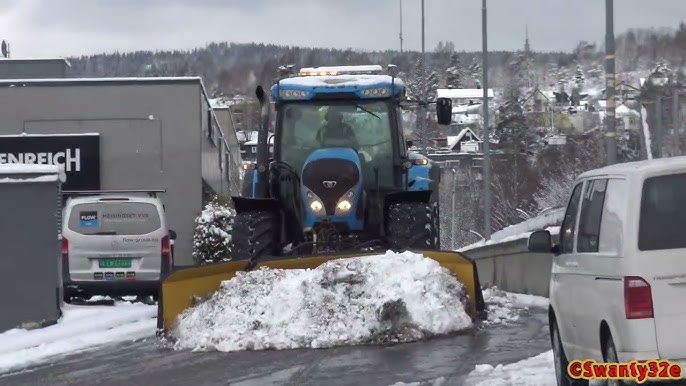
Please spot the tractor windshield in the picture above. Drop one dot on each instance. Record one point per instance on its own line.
(362, 125)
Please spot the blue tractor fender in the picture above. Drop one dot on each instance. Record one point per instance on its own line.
(353, 194)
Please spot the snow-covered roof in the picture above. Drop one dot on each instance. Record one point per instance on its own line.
(462, 119)
(463, 93)
(141, 79)
(226, 101)
(340, 81)
(9, 173)
(47, 135)
(253, 141)
(455, 139)
(14, 168)
(622, 110)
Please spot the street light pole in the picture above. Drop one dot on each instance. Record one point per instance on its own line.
(422, 109)
(452, 217)
(487, 137)
(610, 80)
(401, 26)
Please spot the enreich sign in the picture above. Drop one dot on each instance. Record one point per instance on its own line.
(78, 154)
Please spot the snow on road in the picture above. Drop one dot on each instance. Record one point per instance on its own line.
(396, 297)
(81, 327)
(506, 306)
(535, 371)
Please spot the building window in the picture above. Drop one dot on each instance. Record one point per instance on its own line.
(477, 162)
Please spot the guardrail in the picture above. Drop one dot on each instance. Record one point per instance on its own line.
(510, 267)
(504, 261)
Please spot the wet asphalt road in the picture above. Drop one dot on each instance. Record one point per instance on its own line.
(148, 363)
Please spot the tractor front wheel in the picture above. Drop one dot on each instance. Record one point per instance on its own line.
(253, 235)
(412, 225)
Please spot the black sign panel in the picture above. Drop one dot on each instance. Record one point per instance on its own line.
(79, 155)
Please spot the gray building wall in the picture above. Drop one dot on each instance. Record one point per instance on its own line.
(33, 68)
(30, 270)
(151, 135)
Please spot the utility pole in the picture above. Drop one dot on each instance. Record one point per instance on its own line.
(658, 128)
(676, 119)
(423, 126)
(452, 212)
(401, 26)
(487, 137)
(610, 78)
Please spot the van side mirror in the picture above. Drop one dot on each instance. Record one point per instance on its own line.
(539, 242)
(172, 234)
(444, 111)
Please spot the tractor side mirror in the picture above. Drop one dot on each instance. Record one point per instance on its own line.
(539, 242)
(444, 111)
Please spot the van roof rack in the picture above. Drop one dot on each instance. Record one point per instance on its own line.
(150, 192)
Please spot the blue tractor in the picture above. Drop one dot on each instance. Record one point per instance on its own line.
(341, 177)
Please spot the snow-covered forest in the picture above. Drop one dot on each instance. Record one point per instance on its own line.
(537, 175)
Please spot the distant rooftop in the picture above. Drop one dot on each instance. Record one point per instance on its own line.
(463, 93)
(34, 60)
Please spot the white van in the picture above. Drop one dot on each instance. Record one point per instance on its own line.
(114, 244)
(618, 280)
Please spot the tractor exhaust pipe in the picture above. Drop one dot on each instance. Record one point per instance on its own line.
(262, 184)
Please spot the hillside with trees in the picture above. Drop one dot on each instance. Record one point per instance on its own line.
(539, 175)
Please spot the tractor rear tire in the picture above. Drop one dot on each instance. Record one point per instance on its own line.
(412, 225)
(253, 235)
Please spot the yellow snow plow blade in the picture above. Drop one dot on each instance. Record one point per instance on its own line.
(178, 290)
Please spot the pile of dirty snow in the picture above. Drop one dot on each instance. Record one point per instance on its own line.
(391, 298)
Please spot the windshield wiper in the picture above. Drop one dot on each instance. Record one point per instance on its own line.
(105, 233)
(367, 111)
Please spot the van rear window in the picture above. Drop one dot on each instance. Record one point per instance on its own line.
(114, 218)
(663, 213)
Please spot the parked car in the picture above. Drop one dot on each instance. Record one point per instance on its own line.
(115, 244)
(618, 280)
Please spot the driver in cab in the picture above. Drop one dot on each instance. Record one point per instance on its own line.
(335, 132)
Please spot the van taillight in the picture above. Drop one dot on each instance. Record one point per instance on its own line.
(65, 249)
(638, 298)
(166, 248)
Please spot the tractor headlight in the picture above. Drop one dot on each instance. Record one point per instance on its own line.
(344, 206)
(314, 202)
(316, 206)
(345, 202)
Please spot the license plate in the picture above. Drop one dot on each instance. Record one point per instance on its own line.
(115, 263)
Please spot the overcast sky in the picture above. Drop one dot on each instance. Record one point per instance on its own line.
(48, 28)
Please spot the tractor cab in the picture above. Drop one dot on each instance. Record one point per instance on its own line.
(340, 159)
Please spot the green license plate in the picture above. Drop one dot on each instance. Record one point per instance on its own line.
(115, 263)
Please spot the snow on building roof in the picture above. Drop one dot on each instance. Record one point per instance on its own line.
(225, 102)
(622, 110)
(463, 93)
(253, 141)
(142, 79)
(455, 139)
(50, 172)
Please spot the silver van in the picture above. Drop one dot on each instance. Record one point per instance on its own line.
(114, 244)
